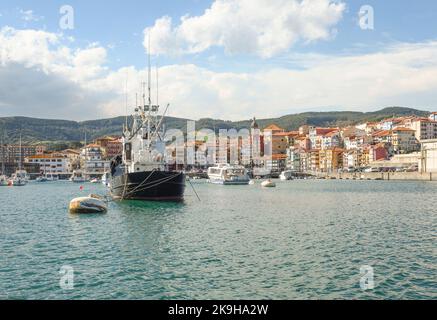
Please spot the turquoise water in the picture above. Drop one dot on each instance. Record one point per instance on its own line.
(303, 240)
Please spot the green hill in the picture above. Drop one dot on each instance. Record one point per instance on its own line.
(63, 133)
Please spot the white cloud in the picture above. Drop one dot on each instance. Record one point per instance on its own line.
(262, 27)
(42, 76)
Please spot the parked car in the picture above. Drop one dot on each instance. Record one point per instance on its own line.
(372, 169)
(412, 168)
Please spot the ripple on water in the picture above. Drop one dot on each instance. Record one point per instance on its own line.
(304, 239)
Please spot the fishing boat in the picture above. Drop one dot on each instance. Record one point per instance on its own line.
(141, 171)
(227, 174)
(78, 176)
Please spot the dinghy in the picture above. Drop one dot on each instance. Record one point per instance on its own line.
(91, 204)
(268, 184)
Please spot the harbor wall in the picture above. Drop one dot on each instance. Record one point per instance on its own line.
(413, 176)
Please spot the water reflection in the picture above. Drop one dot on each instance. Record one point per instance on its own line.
(148, 207)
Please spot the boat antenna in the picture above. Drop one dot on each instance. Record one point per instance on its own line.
(157, 85)
(127, 77)
(3, 156)
(21, 154)
(149, 80)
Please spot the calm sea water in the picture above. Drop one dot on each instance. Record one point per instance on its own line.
(302, 240)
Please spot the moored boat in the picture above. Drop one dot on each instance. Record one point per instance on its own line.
(268, 184)
(286, 175)
(228, 175)
(3, 181)
(78, 176)
(90, 204)
(141, 171)
(41, 179)
(106, 177)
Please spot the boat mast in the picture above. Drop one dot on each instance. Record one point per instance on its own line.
(21, 155)
(3, 157)
(149, 84)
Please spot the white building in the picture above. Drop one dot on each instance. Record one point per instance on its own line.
(92, 162)
(51, 163)
(426, 129)
(428, 161)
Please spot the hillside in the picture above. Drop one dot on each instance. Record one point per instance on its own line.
(64, 133)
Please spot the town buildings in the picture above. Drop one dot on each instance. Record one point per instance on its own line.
(92, 160)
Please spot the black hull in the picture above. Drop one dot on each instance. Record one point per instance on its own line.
(149, 186)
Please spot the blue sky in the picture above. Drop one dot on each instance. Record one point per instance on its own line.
(117, 27)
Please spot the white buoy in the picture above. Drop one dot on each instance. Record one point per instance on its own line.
(268, 184)
(91, 204)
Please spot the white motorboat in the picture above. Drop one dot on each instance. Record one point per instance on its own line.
(260, 172)
(17, 180)
(268, 184)
(78, 176)
(286, 175)
(228, 175)
(95, 180)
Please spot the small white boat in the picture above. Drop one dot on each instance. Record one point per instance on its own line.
(17, 181)
(286, 175)
(52, 177)
(3, 181)
(41, 179)
(77, 176)
(252, 182)
(268, 184)
(106, 177)
(91, 204)
(95, 180)
(228, 175)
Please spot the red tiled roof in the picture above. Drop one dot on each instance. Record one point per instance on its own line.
(323, 131)
(382, 133)
(273, 127)
(402, 129)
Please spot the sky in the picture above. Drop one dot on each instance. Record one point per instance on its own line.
(224, 59)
